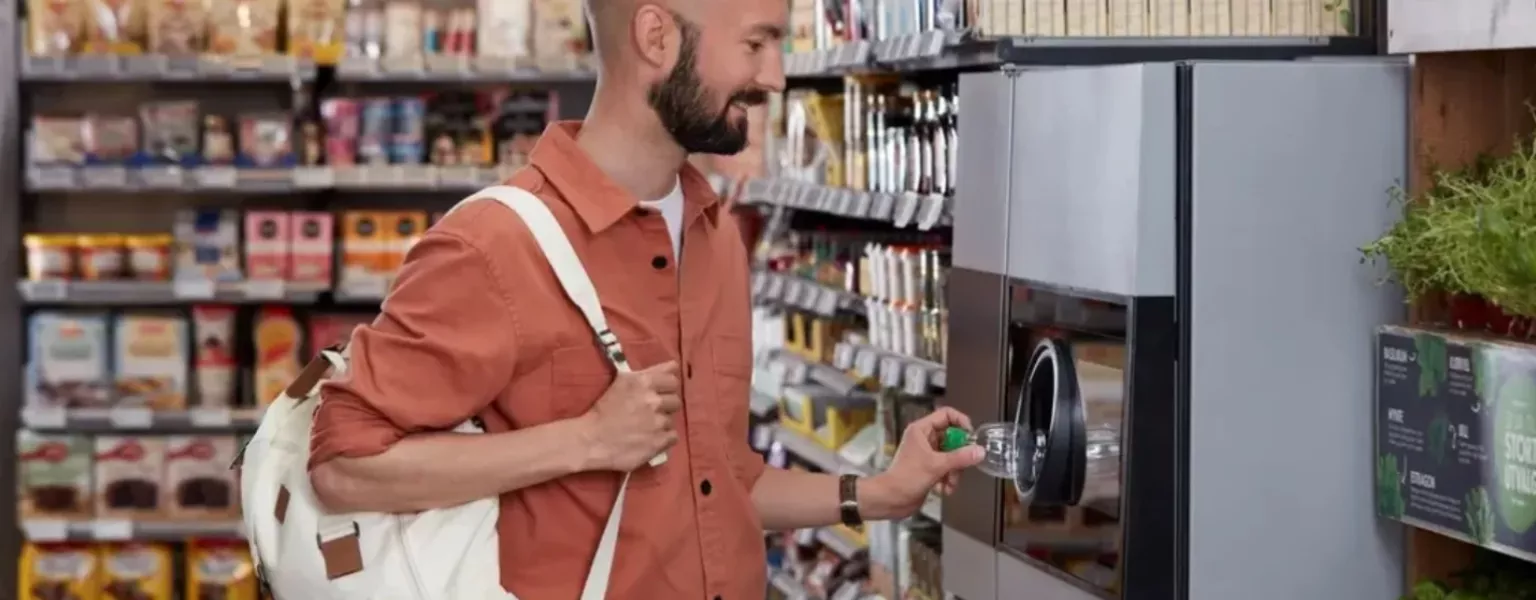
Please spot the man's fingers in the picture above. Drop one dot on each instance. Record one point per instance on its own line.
(930, 426)
(669, 403)
(661, 378)
(964, 458)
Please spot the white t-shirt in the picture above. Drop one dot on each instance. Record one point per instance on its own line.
(671, 207)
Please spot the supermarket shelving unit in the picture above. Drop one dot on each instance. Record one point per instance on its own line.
(97, 198)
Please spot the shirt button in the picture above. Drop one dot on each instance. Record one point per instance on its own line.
(659, 262)
(706, 488)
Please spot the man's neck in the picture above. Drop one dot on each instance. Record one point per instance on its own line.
(631, 148)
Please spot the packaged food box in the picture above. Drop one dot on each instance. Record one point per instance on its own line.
(53, 476)
(150, 355)
(129, 470)
(402, 230)
(266, 245)
(213, 361)
(313, 235)
(198, 479)
(53, 571)
(69, 360)
(279, 341)
(362, 249)
(137, 571)
(220, 570)
(208, 245)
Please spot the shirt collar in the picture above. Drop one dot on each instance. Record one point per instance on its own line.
(597, 200)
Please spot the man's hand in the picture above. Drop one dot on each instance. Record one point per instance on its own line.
(632, 422)
(919, 466)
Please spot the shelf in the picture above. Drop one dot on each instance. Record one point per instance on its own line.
(139, 420)
(803, 294)
(809, 451)
(903, 210)
(939, 51)
(150, 68)
(40, 178)
(894, 370)
(111, 530)
(158, 293)
(453, 69)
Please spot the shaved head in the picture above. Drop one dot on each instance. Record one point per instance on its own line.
(697, 64)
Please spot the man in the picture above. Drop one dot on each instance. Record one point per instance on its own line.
(477, 326)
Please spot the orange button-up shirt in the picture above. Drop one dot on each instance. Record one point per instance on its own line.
(477, 325)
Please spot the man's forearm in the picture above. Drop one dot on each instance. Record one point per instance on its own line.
(428, 471)
(796, 499)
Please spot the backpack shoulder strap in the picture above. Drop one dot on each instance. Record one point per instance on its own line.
(578, 287)
(563, 260)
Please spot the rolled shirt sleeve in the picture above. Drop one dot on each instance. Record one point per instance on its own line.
(442, 349)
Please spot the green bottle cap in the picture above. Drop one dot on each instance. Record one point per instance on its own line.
(955, 438)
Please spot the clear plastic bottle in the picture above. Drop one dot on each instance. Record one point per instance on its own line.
(1003, 443)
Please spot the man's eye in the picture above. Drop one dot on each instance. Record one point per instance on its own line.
(755, 46)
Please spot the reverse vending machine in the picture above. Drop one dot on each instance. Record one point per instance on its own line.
(1156, 276)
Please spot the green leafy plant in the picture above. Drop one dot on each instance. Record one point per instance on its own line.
(1479, 515)
(1472, 233)
(1429, 351)
(1490, 577)
(1389, 487)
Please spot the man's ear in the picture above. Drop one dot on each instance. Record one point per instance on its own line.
(654, 36)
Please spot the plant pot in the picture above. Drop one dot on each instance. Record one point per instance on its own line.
(1471, 312)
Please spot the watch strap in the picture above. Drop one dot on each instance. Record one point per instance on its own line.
(848, 500)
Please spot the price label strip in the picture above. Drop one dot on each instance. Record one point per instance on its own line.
(131, 418)
(217, 177)
(759, 282)
(112, 530)
(862, 203)
(45, 530)
(882, 206)
(50, 290)
(906, 209)
(915, 380)
(775, 287)
(931, 212)
(211, 418)
(866, 362)
(842, 356)
(45, 417)
(933, 43)
(792, 294)
(193, 289)
(890, 372)
(826, 303)
(266, 289)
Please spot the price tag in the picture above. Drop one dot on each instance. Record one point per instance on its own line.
(792, 294)
(45, 530)
(266, 289)
(212, 418)
(45, 417)
(826, 305)
(842, 356)
(845, 202)
(217, 177)
(775, 287)
(882, 206)
(931, 213)
(160, 177)
(866, 362)
(104, 177)
(313, 177)
(131, 418)
(861, 203)
(906, 209)
(916, 380)
(112, 530)
(933, 43)
(50, 290)
(762, 436)
(811, 296)
(890, 372)
(366, 288)
(759, 283)
(193, 289)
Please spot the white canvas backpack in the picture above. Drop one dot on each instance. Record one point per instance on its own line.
(303, 552)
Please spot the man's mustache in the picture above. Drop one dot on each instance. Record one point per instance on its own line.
(749, 98)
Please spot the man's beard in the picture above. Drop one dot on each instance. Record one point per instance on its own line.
(682, 103)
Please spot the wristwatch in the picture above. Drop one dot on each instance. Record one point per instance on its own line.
(848, 500)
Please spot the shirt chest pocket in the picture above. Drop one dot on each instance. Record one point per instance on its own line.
(732, 357)
(579, 375)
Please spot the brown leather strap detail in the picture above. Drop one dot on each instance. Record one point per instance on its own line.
(312, 373)
(282, 503)
(343, 556)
